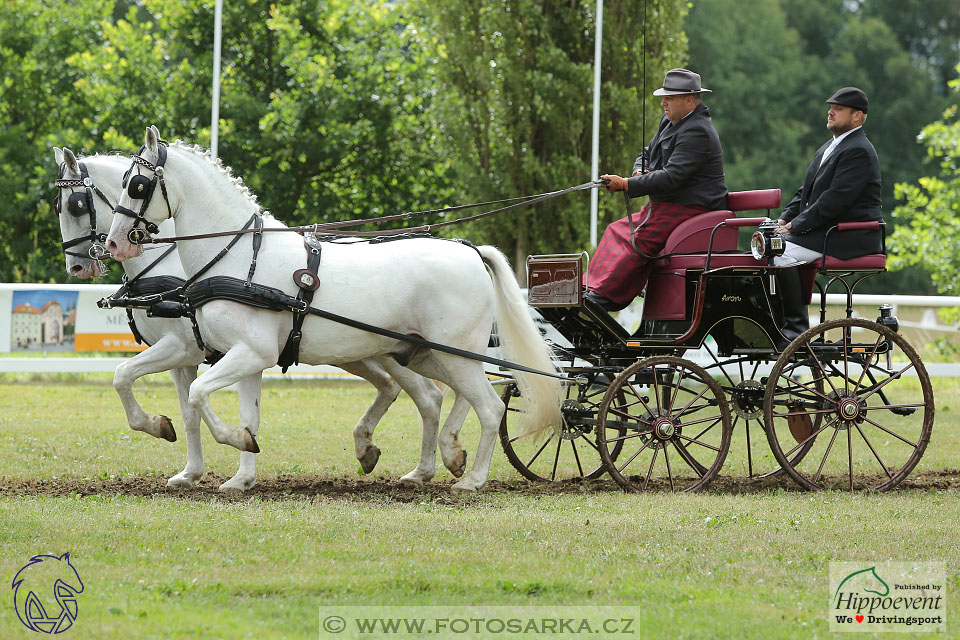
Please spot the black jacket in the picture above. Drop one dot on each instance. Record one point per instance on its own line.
(685, 163)
(845, 189)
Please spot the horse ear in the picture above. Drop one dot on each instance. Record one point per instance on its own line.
(150, 140)
(71, 161)
(58, 156)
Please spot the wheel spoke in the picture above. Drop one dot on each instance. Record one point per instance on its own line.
(697, 397)
(539, 451)
(653, 460)
(627, 436)
(866, 367)
(556, 459)
(826, 453)
(687, 457)
(895, 376)
(702, 444)
(634, 456)
(576, 457)
(811, 437)
(895, 435)
(666, 459)
(789, 391)
(824, 376)
(874, 452)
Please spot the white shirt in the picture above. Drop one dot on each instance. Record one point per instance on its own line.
(833, 145)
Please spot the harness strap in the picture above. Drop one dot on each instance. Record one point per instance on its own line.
(264, 297)
(257, 241)
(307, 281)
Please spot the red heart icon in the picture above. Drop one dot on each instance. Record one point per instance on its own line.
(859, 618)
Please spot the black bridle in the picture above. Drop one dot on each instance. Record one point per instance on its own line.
(80, 203)
(139, 187)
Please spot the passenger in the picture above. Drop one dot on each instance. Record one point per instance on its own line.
(841, 185)
(683, 175)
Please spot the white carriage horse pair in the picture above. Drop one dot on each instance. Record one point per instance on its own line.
(85, 193)
(433, 289)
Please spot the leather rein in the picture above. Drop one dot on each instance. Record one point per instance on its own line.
(332, 228)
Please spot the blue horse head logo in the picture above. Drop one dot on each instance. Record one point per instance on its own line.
(45, 593)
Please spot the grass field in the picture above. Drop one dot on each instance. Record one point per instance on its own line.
(747, 560)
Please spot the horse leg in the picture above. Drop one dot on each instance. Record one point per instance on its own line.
(387, 391)
(166, 354)
(451, 452)
(182, 378)
(428, 400)
(468, 379)
(249, 398)
(238, 363)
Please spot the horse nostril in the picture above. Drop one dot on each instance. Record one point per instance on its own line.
(76, 268)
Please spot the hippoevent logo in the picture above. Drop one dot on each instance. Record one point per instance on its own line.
(45, 593)
(888, 596)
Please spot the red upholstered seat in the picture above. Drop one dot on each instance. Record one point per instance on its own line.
(861, 263)
(693, 235)
(666, 297)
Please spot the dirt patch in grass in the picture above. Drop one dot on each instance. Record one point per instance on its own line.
(389, 490)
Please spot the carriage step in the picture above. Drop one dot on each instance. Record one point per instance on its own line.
(903, 411)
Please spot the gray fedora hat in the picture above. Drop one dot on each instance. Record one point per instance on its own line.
(679, 82)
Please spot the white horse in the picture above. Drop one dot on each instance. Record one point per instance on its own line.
(430, 288)
(174, 347)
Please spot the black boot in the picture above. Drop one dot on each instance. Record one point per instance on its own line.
(796, 320)
(601, 301)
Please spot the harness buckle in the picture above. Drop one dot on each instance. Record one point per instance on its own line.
(136, 235)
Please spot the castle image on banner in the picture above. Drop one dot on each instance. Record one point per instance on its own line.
(43, 324)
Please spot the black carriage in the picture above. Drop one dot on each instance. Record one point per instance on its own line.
(847, 404)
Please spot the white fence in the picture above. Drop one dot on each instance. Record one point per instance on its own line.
(88, 325)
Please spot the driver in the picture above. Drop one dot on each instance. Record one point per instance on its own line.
(683, 175)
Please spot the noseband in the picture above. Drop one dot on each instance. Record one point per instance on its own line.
(139, 187)
(80, 203)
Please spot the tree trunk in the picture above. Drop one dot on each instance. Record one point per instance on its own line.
(520, 255)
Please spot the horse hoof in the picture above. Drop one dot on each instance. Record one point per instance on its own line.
(459, 465)
(463, 487)
(167, 432)
(250, 442)
(368, 461)
(236, 486)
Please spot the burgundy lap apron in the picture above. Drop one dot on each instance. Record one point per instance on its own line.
(616, 271)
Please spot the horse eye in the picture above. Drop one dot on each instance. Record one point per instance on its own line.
(56, 204)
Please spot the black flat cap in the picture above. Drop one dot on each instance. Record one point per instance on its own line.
(850, 97)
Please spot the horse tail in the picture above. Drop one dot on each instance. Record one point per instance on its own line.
(522, 343)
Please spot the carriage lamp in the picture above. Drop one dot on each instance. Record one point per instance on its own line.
(766, 242)
(887, 318)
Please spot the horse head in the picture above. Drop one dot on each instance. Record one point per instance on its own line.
(85, 191)
(140, 211)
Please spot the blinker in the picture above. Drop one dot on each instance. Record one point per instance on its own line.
(77, 204)
(138, 187)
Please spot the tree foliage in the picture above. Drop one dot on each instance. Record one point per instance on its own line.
(772, 63)
(928, 233)
(517, 79)
(326, 108)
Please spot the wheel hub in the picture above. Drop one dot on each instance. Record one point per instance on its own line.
(849, 409)
(572, 424)
(664, 428)
(747, 399)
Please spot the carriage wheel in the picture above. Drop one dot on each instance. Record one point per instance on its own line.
(568, 452)
(672, 421)
(872, 394)
(742, 380)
